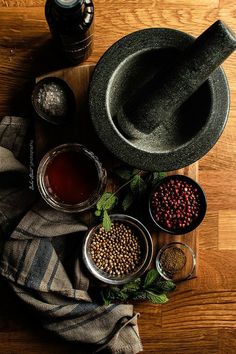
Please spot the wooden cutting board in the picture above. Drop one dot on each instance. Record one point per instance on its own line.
(80, 130)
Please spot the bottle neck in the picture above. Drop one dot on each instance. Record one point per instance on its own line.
(68, 4)
(69, 8)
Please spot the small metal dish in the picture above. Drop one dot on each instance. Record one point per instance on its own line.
(61, 101)
(195, 223)
(146, 244)
(188, 268)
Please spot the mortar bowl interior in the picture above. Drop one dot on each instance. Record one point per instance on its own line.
(131, 63)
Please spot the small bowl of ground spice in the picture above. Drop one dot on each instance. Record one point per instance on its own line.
(121, 254)
(53, 100)
(177, 204)
(176, 261)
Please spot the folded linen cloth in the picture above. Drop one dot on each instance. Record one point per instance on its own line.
(37, 246)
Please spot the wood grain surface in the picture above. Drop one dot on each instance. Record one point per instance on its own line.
(201, 314)
(79, 129)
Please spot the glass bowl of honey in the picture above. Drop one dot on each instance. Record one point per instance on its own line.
(71, 178)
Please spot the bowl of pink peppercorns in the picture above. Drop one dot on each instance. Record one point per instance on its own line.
(177, 204)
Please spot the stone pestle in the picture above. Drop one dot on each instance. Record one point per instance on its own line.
(155, 103)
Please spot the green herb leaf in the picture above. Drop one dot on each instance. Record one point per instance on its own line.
(110, 294)
(140, 295)
(151, 277)
(98, 212)
(135, 171)
(105, 297)
(163, 286)
(128, 201)
(106, 221)
(162, 174)
(152, 289)
(123, 296)
(107, 201)
(132, 286)
(156, 177)
(156, 298)
(124, 173)
(137, 185)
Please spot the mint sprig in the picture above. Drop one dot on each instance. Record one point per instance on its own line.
(106, 203)
(152, 288)
(137, 183)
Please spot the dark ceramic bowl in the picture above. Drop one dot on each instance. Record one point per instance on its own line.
(145, 241)
(128, 65)
(63, 105)
(202, 202)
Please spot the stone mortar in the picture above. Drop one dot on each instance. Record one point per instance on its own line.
(127, 66)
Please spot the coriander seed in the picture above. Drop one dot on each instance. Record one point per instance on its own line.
(116, 252)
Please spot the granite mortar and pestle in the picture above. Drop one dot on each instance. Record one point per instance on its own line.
(158, 98)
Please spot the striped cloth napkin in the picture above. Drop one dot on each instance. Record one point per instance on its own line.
(39, 257)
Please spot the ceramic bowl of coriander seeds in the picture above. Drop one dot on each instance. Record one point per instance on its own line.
(121, 254)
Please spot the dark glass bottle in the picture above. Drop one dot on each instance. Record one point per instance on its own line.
(71, 26)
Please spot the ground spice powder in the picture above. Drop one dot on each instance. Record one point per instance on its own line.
(172, 260)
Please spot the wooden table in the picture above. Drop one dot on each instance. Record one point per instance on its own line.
(201, 314)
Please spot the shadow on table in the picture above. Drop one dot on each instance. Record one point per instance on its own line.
(16, 318)
(35, 57)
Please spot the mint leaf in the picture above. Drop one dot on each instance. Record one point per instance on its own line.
(124, 173)
(123, 295)
(98, 212)
(107, 201)
(137, 185)
(102, 200)
(135, 171)
(156, 299)
(162, 175)
(140, 295)
(157, 177)
(128, 201)
(105, 297)
(132, 286)
(151, 277)
(152, 289)
(163, 286)
(106, 221)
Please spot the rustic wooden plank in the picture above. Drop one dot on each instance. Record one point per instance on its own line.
(21, 3)
(227, 341)
(190, 3)
(195, 341)
(24, 54)
(198, 309)
(79, 130)
(216, 271)
(191, 239)
(208, 232)
(227, 230)
(220, 189)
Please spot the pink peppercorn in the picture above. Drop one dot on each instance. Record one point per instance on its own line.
(176, 204)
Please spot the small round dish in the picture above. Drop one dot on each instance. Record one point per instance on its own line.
(53, 100)
(146, 247)
(71, 178)
(176, 261)
(177, 204)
